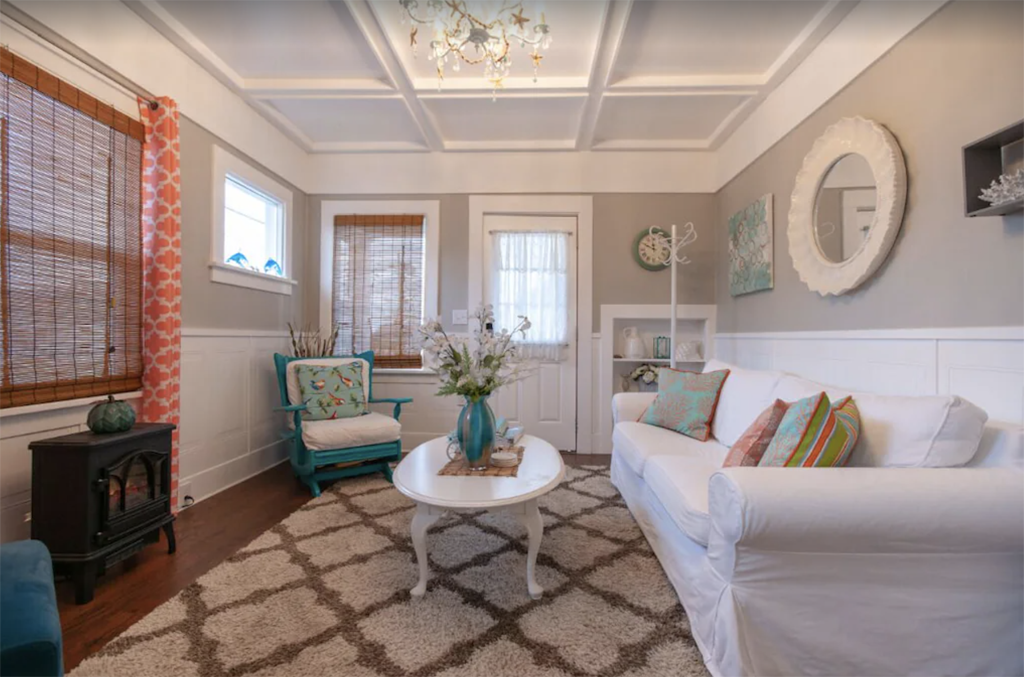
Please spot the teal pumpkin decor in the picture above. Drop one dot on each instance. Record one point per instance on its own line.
(111, 416)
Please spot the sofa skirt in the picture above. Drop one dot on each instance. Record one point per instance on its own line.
(699, 587)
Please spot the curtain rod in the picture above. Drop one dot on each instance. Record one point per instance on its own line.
(48, 35)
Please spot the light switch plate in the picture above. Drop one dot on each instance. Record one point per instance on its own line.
(460, 317)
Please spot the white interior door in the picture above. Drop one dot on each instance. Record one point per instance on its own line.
(529, 265)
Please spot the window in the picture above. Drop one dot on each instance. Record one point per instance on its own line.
(531, 278)
(377, 297)
(70, 241)
(250, 247)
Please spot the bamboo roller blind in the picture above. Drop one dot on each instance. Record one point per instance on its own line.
(70, 242)
(377, 300)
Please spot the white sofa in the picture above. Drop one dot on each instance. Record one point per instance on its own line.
(895, 565)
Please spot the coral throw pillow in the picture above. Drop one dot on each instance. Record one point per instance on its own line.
(686, 402)
(331, 392)
(815, 434)
(752, 444)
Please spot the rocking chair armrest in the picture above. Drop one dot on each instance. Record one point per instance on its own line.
(291, 407)
(296, 412)
(397, 401)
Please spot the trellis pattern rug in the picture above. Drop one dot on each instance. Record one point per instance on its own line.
(326, 592)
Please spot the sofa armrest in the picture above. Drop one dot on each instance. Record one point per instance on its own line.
(630, 406)
(866, 510)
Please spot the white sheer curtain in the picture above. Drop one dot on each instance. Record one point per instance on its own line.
(531, 278)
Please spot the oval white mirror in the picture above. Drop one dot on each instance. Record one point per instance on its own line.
(847, 206)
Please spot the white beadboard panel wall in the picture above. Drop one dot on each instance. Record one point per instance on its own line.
(229, 430)
(427, 417)
(984, 365)
(18, 428)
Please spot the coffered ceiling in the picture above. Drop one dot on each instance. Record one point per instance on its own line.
(340, 76)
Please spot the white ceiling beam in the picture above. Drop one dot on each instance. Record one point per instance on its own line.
(511, 146)
(262, 88)
(526, 84)
(651, 144)
(369, 147)
(185, 40)
(363, 14)
(684, 82)
(613, 30)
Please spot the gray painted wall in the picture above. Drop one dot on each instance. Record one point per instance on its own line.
(957, 78)
(617, 220)
(209, 305)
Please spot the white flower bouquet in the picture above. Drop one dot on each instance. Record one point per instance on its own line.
(474, 367)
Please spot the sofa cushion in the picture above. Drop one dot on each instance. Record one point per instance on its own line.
(636, 442)
(343, 433)
(686, 401)
(752, 444)
(902, 431)
(680, 483)
(745, 394)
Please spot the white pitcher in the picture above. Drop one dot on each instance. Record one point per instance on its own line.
(633, 345)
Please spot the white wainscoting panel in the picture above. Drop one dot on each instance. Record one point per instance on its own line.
(984, 365)
(229, 431)
(427, 417)
(18, 428)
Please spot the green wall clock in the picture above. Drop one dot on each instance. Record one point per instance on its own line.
(650, 250)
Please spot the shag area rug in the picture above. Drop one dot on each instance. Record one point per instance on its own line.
(326, 592)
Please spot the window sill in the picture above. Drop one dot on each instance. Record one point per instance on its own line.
(65, 404)
(418, 373)
(222, 273)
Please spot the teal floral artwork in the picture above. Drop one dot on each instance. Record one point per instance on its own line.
(331, 392)
(751, 267)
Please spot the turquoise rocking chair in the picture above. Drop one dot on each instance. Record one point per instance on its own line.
(313, 466)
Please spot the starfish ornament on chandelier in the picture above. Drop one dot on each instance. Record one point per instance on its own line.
(537, 58)
(412, 36)
(520, 20)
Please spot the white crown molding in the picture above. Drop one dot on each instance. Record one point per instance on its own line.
(866, 33)
(153, 63)
(514, 172)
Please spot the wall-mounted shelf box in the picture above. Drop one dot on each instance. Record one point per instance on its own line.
(984, 161)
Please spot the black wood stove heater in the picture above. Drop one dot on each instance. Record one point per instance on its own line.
(98, 499)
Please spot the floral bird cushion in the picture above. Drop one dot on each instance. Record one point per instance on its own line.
(686, 401)
(750, 447)
(814, 434)
(331, 392)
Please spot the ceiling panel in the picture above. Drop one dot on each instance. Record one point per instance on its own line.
(508, 118)
(280, 38)
(575, 26)
(357, 121)
(710, 37)
(663, 118)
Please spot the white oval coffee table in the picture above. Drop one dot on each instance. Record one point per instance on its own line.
(416, 476)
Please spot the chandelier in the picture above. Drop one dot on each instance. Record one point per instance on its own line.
(465, 37)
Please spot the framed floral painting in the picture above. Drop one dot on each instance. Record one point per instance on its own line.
(751, 265)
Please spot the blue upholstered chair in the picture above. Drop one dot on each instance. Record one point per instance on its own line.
(317, 447)
(30, 639)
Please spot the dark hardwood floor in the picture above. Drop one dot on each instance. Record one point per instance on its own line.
(207, 533)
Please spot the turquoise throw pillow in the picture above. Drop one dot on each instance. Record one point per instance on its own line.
(686, 401)
(331, 392)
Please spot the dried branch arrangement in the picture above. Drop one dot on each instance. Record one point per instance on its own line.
(308, 342)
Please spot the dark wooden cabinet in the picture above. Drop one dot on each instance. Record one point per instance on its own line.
(97, 499)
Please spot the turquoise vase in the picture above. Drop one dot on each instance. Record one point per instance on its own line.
(476, 433)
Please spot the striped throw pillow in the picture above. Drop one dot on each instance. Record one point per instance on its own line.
(814, 434)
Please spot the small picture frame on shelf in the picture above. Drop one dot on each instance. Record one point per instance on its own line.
(661, 348)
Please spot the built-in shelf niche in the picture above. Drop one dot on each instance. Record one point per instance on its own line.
(985, 161)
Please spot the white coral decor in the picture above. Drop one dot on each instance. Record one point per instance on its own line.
(474, 367)
(1008, 188)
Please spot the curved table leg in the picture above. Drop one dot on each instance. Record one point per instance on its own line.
(531, 519)
(421, 521)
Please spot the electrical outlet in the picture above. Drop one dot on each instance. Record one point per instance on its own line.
(184, 489)
(460, 317)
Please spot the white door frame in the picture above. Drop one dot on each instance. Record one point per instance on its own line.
(580, 206)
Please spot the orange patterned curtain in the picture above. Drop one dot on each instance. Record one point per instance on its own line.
(161, 265)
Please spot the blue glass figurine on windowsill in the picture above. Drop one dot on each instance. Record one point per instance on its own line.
(272, 267)
(239, 260)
